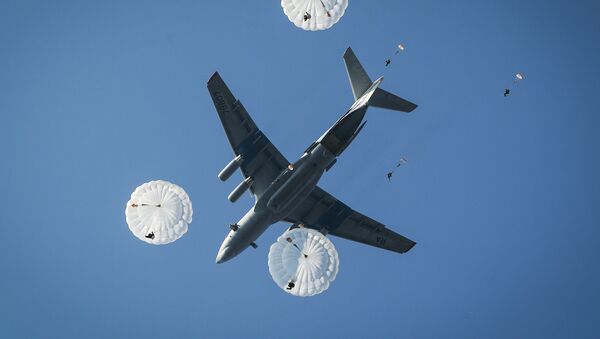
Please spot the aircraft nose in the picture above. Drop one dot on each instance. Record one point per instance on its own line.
(223, 255)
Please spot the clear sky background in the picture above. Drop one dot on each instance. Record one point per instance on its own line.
(501, 194)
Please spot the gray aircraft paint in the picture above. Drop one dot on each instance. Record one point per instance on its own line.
(281, 198)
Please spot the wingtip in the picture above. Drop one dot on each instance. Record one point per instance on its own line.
(348, 51)
(413, 108)
(411, 246)
(213, 77)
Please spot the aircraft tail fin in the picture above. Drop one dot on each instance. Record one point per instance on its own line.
(361, 84)
(359, 79)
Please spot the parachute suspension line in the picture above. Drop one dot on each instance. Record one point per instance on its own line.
(150, 234)
(325, 8)
(292, 283)
(308, 13)
(151, 205)
(298, 248)
(136, 205)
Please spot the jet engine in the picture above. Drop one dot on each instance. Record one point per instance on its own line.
(240, 189)
(231, 167)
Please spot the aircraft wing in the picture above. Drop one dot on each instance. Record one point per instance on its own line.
(262, 161)
(322, 211)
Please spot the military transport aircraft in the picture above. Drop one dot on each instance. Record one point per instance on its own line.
(288, 191)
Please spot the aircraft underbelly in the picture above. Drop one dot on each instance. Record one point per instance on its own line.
(303, 193)
(294, 191)
(299, 186)
(252, 225)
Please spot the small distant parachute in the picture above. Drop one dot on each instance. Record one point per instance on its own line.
(519, 77)
(314, 15)
(159, 212)
(303, 262)
(400, 48)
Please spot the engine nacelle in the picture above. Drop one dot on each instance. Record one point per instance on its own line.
(240, 189)
(231, 167)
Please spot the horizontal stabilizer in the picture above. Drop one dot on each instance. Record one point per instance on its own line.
(384, 99)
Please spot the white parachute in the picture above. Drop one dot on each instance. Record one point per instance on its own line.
(519, 77)
(400, 48)
(159, 212)
(314, 15)
(303, 262)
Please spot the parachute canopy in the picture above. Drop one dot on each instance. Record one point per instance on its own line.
(303, 262)
(313, 15)
(519, 76)
(159, 212)
(400, 47)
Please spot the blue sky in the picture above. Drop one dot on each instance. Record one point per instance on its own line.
(500, 193)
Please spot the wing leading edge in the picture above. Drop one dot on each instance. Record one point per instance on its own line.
(323, 212)
(262, 160)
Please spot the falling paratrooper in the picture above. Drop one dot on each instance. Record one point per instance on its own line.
(518, 77)
(401, 162)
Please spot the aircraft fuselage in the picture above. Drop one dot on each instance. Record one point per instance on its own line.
(292, 186)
